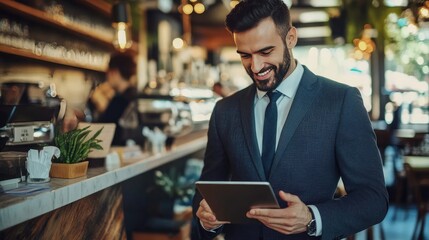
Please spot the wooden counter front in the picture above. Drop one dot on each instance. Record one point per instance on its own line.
(18, 209)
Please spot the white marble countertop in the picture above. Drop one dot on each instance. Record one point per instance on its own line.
(17, 209)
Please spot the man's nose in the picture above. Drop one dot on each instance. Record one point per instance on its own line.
(257, 64)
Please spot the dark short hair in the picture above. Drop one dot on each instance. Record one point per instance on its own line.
(248, 13)
(124, 63)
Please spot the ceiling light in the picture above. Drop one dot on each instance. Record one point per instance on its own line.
(199, 8)
(396, 3)
(424, 12)
(313, 16)
(314, 32)
(325, 3)
(188, 9)
(233, 3)
(121, 23)
(178, 43)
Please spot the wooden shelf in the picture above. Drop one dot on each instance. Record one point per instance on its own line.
(101, 6)
(38, 15)
(97, 37)
(31, 55)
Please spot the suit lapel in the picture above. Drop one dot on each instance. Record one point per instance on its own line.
(304, 97)
(248, 122)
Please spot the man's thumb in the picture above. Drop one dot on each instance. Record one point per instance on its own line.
(289, 198)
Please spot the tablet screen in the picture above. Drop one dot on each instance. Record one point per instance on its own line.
(230, 201)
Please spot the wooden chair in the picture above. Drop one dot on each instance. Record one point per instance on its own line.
(418, 180)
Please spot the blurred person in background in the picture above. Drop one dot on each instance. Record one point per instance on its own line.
(111, 98)
(218, 89)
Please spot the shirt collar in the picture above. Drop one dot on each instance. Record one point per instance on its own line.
(288, 86)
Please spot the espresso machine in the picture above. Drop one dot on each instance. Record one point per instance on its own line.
(176, 113)
(28, 114)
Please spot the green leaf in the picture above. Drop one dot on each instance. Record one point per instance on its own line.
(75, 146)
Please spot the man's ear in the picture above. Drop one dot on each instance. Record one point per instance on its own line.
(292, 38)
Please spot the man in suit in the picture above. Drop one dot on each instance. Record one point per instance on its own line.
(323, 133)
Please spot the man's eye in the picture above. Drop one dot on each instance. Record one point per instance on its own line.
(244, 55)
(265, 53)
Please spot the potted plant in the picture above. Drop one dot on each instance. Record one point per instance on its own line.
(170, 188)
(75, 145)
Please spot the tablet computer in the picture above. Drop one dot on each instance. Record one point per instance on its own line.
(230, 201)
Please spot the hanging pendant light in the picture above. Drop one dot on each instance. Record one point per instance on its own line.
(121, 22)
(192, 6)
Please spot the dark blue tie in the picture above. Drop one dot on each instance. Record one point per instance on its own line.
(270, 130)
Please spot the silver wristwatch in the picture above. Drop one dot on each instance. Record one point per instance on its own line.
(311, 226)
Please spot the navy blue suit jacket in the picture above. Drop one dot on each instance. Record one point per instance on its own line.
(327, 135)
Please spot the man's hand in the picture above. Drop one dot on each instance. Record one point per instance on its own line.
(290, 220)
(207, 218)
(70, 121)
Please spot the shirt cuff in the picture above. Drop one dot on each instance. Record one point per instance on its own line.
(210, 230)
(318, 219)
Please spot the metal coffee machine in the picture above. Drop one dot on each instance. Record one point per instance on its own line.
(176, 114)
(28, 113)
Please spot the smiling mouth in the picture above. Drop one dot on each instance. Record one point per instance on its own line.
(264, 74)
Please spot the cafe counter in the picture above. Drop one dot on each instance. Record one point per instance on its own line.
(46, 207)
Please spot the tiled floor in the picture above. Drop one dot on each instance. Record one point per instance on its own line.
(398, 225)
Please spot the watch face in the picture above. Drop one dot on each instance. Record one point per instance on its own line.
(311, 228)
